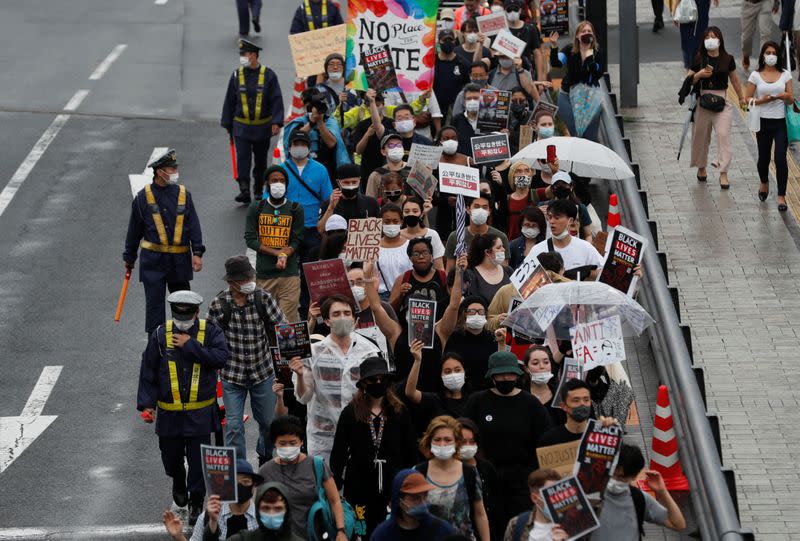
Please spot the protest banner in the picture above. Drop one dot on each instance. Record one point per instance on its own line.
(597, 456)
(421, 319)
(507, 44)
(571, 370)
(529, 277)
(490, 148)
(363, 239)
(293, 340)
(421, 180)
(560, 457)
(283, 374)
(427, 154)
(407, 28)
(569, 508)
(598, 343)
(622, 256)
(219, 471)
(326, 278)
(554, 17)
(379, 69)
(274, 230)
(493, 112)
(459, 179)
(492, 24)
(309, 49)
(525, 136)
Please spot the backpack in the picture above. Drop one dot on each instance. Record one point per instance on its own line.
(640, 505)
(321, 523)
(522, 520)
(227, 308)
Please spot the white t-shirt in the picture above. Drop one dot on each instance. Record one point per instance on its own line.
(436, 242)
(578, 253)
(392, 262)
(541, 531)
(773, 109)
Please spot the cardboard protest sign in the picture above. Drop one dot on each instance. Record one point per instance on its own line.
(274, 230)
(363, 239)
(529, 277)
(293, 340)
(559, 457)
(459, 179)
(546, 106)
(427, 154)
(525, 136)
(421, 180)
(623, 254)
(569, 507)
(571, 370)
(283, 374)
(379, 68)
(494, 109)
(554, 17)
(598, 343)
(490, 148)
(309, 49)
(597, 456)
(492, 24)
(326, 278)
(407, 28)
(219, 471)
(421, 319)
(507, 44)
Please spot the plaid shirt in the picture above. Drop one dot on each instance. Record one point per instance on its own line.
(246, 336)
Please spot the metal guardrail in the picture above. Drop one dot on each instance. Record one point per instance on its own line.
(713, 489)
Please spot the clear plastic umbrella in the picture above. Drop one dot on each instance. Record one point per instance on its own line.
(563, 305)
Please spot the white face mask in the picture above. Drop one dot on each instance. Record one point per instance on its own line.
(711, 44)
(342, 326)
(173, 178)
(541, 377)
(287, 454)
(496, 9)
(770, 59)
(472, 105)
(278, 190)
(244, 61)
(247, 288)
(395, 154)
(334, 75)
(404, 126)
(450, 146)
(472, 37)
(512, 16)
(499, 257)
(299, 152)
(479, 216)
(183, 325)
(564, 234)
(454, 381)
(359, 293)
(443, 452)
(522, 181)
(616, 486)
(391, 230)
(530, 232)
(467, 452)
(476, 322)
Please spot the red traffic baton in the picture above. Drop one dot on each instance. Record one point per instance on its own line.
(122, 295)
(233, 160)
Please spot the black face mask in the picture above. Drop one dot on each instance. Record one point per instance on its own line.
(581, 413)
(587, 39)
(561, 192)
(447, 47)
(504, 387)
(423, 270)
(245, 492)
(518, 109)
(349, 193)
(394, 198)
(411, 220)
(377, 390)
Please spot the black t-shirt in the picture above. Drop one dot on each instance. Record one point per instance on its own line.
(466, 57)
(557, 435)
(451, 76)
(236, 524)
(530, 35)
(362, 206)
(722, 65)
(371, 158)
(434, 289)
(475, 350)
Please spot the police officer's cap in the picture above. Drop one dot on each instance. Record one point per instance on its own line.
(185, 297)
(168, 159)
(248, 46)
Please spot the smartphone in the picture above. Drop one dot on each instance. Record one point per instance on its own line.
(551, 153)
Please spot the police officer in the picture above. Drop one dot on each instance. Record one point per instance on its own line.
(244, 8)
(252, 113)
(165, 226)
(315, 14)
(178, 386)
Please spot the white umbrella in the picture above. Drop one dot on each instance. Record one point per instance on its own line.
(577, 155)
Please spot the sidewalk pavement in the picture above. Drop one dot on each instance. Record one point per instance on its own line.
(736, 263)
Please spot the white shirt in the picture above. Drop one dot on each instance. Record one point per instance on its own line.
(541, 531)
(436, 243)
(392, 262)
(772, 109)
(578, 253)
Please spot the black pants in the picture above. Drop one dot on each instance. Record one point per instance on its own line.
(251, 153)
(155, 302)
(658, 8)
(309, 251)
(173, 449)
(773, 129)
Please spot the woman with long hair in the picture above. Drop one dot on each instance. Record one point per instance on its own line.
(485, 272)
(542, 375)
(534, 230)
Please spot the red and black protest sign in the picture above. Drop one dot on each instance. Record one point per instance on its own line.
(421, 319)
(597, 456)
(570, 508)
(623, 255)
(490, 148)
(326, 278)
(219, 471)
(379, 68)
(283, 374)
(293, 340)
(493, 111)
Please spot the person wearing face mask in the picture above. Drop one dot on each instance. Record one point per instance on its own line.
(422, 281)
(533, 229)
(486, 272)
(510, 73)
(536, 524)
(346, 200)
(393, 252)
(520, 113)
(415, 216)
(466, 123)
(167, 260)
(178, 389)
(472, 47)
(274, 516)
(446, 203)
(511, 423)
(452, 72)
(404, 125)
(331, 84)
(541, 370)
(293, 468)
(626, 508)
(274, 229)
(457, 497)
(252, 113)
(563, 187)
(392, 150)
(469, 453)
(478, 210)
(520, 176)
(326, 381)
(576, 401)
(451, 396)
(479, 76)
(374, 440)
(529, 33)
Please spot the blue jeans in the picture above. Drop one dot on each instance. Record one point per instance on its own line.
(262, 402)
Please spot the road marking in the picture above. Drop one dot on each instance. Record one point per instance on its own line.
(76, 100)
(161, 2)
(94, 532)
(140, 181)
(41, 391)
(101, 70)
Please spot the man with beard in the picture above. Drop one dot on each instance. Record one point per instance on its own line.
(421, 282)
(346, 201)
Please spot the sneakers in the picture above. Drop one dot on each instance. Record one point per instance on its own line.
(179, 494)
(256, 26)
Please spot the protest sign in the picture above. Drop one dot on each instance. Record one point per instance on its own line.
(492, 24)
(421, 180)
(283, 374)
(219, 471)
(293, 340)
(598, 343)
(546, 106)
(559, 457)
(421, 319)
(597, 456)
(513, 305)
(309, 49)
(529, 277)
(407, 28)
(507, 44)
(571, 370)
(623, 254)
(326, 278)
(554, 17)
(569, 508)
(493, 112)
(427, 154)
(490, 148)
(363, 239)
(274, 230)
(525, 136)
(459, 179)
(379, 69)
(544, 315)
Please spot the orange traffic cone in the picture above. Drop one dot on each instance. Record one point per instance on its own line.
(664, 458)
(613, 213)
(297, 100)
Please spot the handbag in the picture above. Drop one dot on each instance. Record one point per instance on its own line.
(321, 524)
(753, 116)
(793, 122)
(686, 12)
